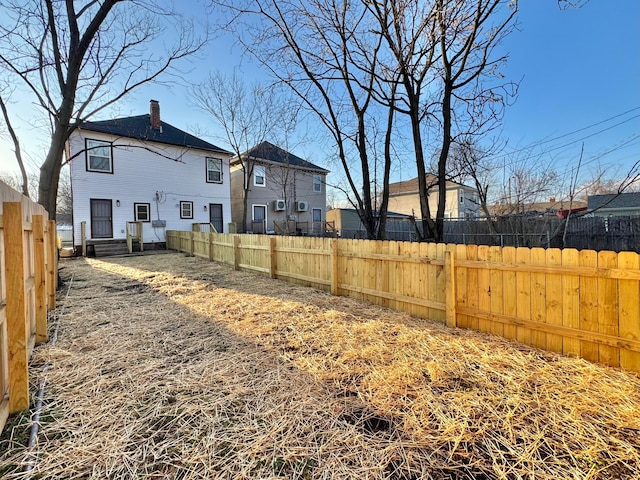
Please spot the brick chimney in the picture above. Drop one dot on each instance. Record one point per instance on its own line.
(154, 114)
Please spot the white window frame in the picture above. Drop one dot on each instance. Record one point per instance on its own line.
(313, 210)
(182, 210)
(317, 183)
(259, 172)
(92, 147)
(218, 170)
(136, 215)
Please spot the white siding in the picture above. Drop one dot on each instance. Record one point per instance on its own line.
(137, 175)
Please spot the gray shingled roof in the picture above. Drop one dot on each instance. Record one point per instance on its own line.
(620, 200)
(269, 152)
(139, 127)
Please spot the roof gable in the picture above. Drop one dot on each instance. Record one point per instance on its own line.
(139, 128)
(271, 153)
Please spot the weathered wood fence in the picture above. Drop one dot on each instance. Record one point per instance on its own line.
(28, 276)
(580, 303)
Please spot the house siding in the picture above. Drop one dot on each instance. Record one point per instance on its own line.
(137, 175)
(298, 186)
(408, 203)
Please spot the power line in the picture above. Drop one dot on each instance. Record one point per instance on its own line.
(557, 147)
(542, 142)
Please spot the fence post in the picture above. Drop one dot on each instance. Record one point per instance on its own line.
(334, 267)
(273, 259)
(236, 252)
(16, 307)
(52, 265)
(39, 278)
(450, 302)
(211, 246)
(83, 234)
(192, 243)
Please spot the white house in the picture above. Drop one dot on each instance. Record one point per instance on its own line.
(145, 170)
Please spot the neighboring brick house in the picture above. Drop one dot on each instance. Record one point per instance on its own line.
(143, 169)
(286, 194)
(461, 200)
(621, 204)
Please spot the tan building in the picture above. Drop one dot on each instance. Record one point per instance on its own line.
(461, 200)
(285, 194)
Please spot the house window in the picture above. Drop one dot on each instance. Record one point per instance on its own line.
(214, 170)
(99, 156)
(142, 212)
(186, 209)
(258, 176)
(317, 214)
(317, 183)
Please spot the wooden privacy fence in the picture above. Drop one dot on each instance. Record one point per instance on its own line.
(580, 303)
(28, 276)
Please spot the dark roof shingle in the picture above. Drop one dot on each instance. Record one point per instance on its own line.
(271, 153)
(619, 200)
(139, 127)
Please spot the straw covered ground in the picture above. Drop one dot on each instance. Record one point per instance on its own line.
(172, 367)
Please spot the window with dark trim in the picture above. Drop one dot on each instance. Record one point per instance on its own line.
(142, 212)
(99, 156)
(186, 209)
(214, 170)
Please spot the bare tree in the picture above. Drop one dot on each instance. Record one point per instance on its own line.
(325, 51)
(473, 93)
(78, 58)
(246, 115)
(16, 143)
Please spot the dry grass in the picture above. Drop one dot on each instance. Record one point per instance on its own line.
(171, 367)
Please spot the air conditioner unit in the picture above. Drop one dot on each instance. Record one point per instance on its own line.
(279, 205)
(302, 206)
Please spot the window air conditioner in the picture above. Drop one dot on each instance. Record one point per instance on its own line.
(279, 205)
(302, 206)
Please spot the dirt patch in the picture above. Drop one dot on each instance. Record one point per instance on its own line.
(172, 367)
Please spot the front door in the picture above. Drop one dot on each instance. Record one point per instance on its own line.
(101, 223)
(215, 217)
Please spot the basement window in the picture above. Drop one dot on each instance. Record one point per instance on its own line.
(186, 209)
(142, 212)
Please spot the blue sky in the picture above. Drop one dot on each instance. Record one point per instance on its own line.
(578, 68)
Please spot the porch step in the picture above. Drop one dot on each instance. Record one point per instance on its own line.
(110, 249)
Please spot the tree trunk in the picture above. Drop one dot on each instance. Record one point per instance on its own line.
(50, 171)
(423, 188)
(442, 160)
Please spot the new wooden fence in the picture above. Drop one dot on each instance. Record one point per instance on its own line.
(28, 276)
(581, 303)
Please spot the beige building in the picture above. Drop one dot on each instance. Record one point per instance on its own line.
(285, 194)
(461, 200)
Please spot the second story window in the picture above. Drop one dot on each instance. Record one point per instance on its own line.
(317, 183)
(258, 176)
(214, 170)
(99, 156)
